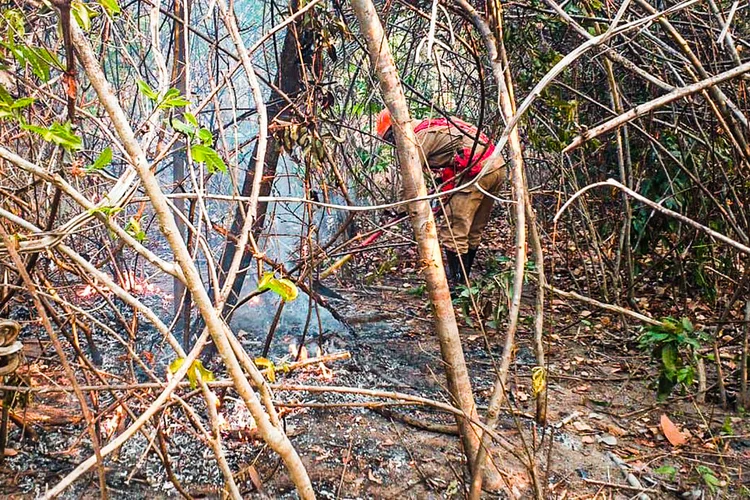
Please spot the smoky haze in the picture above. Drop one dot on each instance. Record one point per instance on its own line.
(284, 241)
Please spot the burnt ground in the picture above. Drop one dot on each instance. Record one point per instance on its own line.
(601, 403)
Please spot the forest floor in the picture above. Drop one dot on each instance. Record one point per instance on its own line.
(601, 404)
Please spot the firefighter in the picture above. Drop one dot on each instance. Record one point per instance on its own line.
(454, 151)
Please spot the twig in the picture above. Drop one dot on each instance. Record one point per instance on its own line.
(619, 486)
(398, 396)
(451, 430)
(632, 480)
(649, 106)
(744, 396)
(603, 305)
(728, 22)
(161, 441)
(655, 206)
(345, 461)
(214, 440)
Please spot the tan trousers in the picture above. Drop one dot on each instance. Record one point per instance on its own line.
(467, 213)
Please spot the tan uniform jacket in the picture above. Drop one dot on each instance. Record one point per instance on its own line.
(438, 146)
(468, 210)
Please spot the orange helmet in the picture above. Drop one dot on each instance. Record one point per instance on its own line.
(383, 122)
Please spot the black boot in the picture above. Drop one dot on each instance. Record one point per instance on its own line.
(468, 259)
(453, 269)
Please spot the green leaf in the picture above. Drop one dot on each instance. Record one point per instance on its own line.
(191, 119)
(200, 153)
(22, 102)
(669, 324)
(10, 108)
(60, 134)
(187, 129)
(727, 429)
(171, 93)
(102, 161)
(686, 375)
(687, 325)
(39, 59)
(16, 24)
(708, 477)
(133, 228)
(667, 470)
(670, 357)
(107, 211)
(206, 137)
(111, 7)
(174, 102)
(209, 156)
(5, 96)
(147, 90)
(173, 99)
(285, 288)
(82, 14)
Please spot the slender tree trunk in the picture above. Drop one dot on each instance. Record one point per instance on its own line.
(522, 207)
(289, 81)
(423, 224)
(181, 11)
(744, 398)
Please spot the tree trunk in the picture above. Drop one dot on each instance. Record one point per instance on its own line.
(424, 227)
(181, 10)
(290, 82)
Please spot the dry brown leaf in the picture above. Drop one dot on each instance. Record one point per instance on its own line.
(252, 473)
(372, 477)
(616, 431)
(645, 442)
(582, 426)
(671, 432)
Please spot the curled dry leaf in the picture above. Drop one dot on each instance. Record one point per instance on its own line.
(582, 426)
(372, 477)
(616, 431)
(671, 432)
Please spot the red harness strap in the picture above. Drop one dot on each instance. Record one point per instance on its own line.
(461, 161)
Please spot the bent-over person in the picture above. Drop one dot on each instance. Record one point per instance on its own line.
(455, 151)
